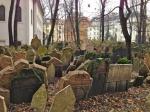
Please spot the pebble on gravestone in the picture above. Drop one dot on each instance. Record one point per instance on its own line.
(35, 43)
(39, 99)
(5, 61)
(51, 72)
(6, 94)
(6, 76)
(3, 107)
(20, 64)
(64, 101)
(19, 55)
(43, 70)
(79, 80)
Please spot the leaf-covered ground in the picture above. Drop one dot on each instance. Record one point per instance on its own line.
(131, 101)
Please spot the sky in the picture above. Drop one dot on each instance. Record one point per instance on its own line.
(94, 7)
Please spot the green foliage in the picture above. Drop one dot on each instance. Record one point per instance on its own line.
(123, 61)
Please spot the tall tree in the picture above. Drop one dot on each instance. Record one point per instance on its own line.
(77, 22)
(16, 23)
(123, 21)
(103, 5)
(10, 32)
(53, 22)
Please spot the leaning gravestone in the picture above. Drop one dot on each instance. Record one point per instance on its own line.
(21, 64)
(64, 101)
(3, 107)
(24, 85)
(31, 55)
(39, 99)
(5, 61)
(6, 76)
(35, 43)
(6, 94)
(51, 72)
(80, 82)
(19, 55)
(56, 54)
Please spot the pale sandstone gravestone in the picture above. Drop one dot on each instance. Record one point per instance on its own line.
(3, 107)
(51, 72)
(39, 99)
(64, 101)
(80, 82)
(5, 61)
(35, 43)
(6, 76)
(19, 55)
(31, 54)
(6, 94)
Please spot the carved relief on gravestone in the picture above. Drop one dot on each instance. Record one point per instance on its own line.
(80, 81)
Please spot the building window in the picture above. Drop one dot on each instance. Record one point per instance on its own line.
(19, 14)
(2, 13)
(31, 16)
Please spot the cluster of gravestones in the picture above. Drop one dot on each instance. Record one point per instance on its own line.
(24, 77)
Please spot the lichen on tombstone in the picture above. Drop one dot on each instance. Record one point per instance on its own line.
(42, 51)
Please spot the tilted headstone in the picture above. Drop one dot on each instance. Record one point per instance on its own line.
(39, 99)
(6, 94)
(3, 107)
(35, 43)
(79, 80)
(51, 72)
(19, 55)
(5, 61)
(6, 76)
(55, 61)
(64, 101)
(31, 54)
(56, 54)
(21, 64)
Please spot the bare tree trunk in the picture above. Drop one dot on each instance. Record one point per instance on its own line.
(77, 23)
(11, 38)
(53, 23)
(16, 23)
(123, 22)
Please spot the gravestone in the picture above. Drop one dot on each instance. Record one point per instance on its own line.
(6, 76)
(21, 64)
(5, 61)
(80, 82)
(39, 99)
(24, 85)
(55, 54)
(31, 55)
(51, 73)
(35, 43)
(19, 55)
(6, 94)
(136, 65)
(147, 103)
(71, 68)
(3, 107)
(64, 101)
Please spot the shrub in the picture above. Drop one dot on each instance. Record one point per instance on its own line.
(123, 60)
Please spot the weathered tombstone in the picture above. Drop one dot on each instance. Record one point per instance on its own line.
(42, 51)
(24, 85)
(39, 99)
(41, 69)
(21, 64)
(136, 65)
(119, 73)
(5, 61)
(6, 76)
(55, 61)
(64, 101)
(51, 73)
(31, 55)
(71, 68)
(80, 82)
(6, 94)
(3, 107)
(56, 54)
(19, 55)
(35, 43)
